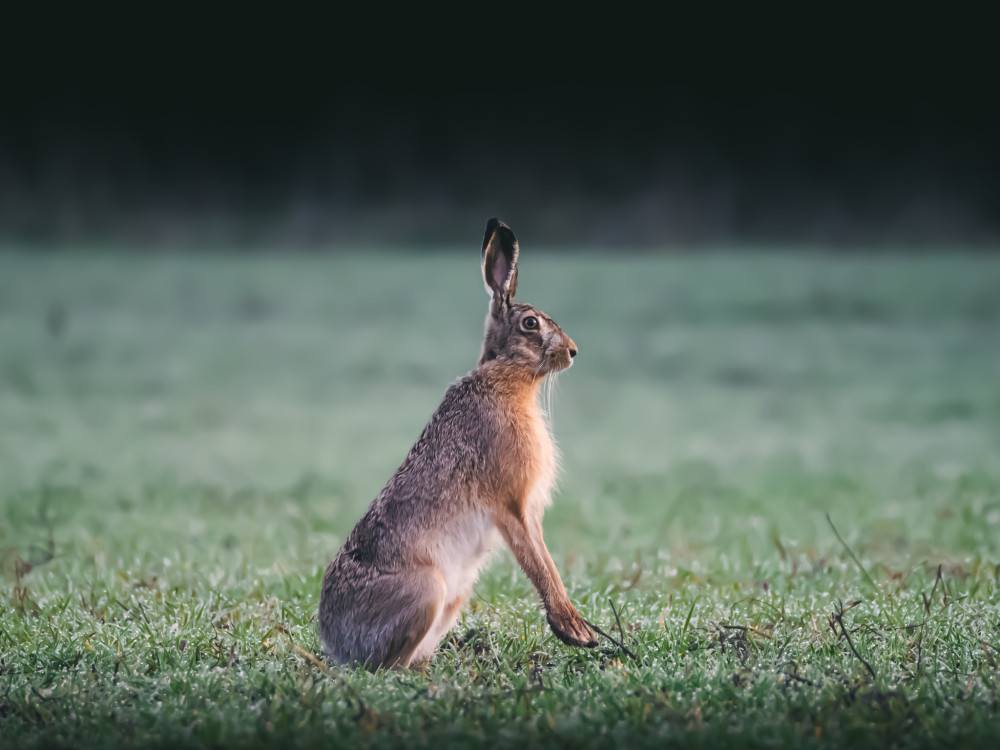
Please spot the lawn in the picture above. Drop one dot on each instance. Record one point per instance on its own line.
(185, 441)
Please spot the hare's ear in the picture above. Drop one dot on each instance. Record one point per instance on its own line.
(500, 263)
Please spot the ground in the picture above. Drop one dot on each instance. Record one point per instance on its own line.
(782, 470)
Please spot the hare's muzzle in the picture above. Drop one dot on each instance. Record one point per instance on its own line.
(570, 347)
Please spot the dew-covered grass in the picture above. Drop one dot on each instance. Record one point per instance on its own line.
(185, 440)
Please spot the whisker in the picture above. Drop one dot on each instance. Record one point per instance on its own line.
(550, 396)
(537, 369)
(546, 398)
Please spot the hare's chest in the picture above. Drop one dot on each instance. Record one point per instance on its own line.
(544, 460)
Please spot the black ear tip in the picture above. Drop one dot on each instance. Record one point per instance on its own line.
(492, 226)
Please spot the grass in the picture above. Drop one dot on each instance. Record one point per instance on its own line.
(185, 441)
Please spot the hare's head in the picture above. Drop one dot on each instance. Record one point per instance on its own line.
(517, 334)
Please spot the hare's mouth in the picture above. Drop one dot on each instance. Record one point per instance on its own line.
(560, 359)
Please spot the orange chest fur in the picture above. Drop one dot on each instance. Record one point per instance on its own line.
(529, 458)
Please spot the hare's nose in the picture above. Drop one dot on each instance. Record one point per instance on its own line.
(572, 352)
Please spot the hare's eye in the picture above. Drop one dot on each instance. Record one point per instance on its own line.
(530, 323)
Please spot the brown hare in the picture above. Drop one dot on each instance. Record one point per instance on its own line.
(483, 469)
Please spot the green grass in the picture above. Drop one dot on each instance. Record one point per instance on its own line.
(185, 441)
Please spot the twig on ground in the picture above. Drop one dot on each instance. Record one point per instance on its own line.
(611, 638)
(621, 633)
(838, 617)
(746, 629)
(313, 658)
(928, 600)
(851, 553)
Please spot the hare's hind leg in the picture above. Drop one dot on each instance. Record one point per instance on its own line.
(379, 620)
(413, 622)
(441, 625)
(424, 593)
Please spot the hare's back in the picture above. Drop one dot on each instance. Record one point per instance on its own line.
(438, 483)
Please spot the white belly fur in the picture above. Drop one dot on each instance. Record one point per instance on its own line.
(460, 552)
(463, 549)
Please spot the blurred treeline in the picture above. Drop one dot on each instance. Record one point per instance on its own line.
(263, 153)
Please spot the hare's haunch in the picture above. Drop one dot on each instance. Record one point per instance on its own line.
(481, 471)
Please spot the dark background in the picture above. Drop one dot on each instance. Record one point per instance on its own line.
(306, 136)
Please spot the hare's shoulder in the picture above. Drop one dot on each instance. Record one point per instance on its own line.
(440, 475)
(471, 412)
(452, 447)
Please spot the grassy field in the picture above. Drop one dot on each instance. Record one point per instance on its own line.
(185, 441)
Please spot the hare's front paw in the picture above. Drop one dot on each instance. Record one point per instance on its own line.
(572, 630)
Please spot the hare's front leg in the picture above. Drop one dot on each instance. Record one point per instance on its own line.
(524, 537)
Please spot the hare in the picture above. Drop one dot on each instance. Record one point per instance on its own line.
(482, 470)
